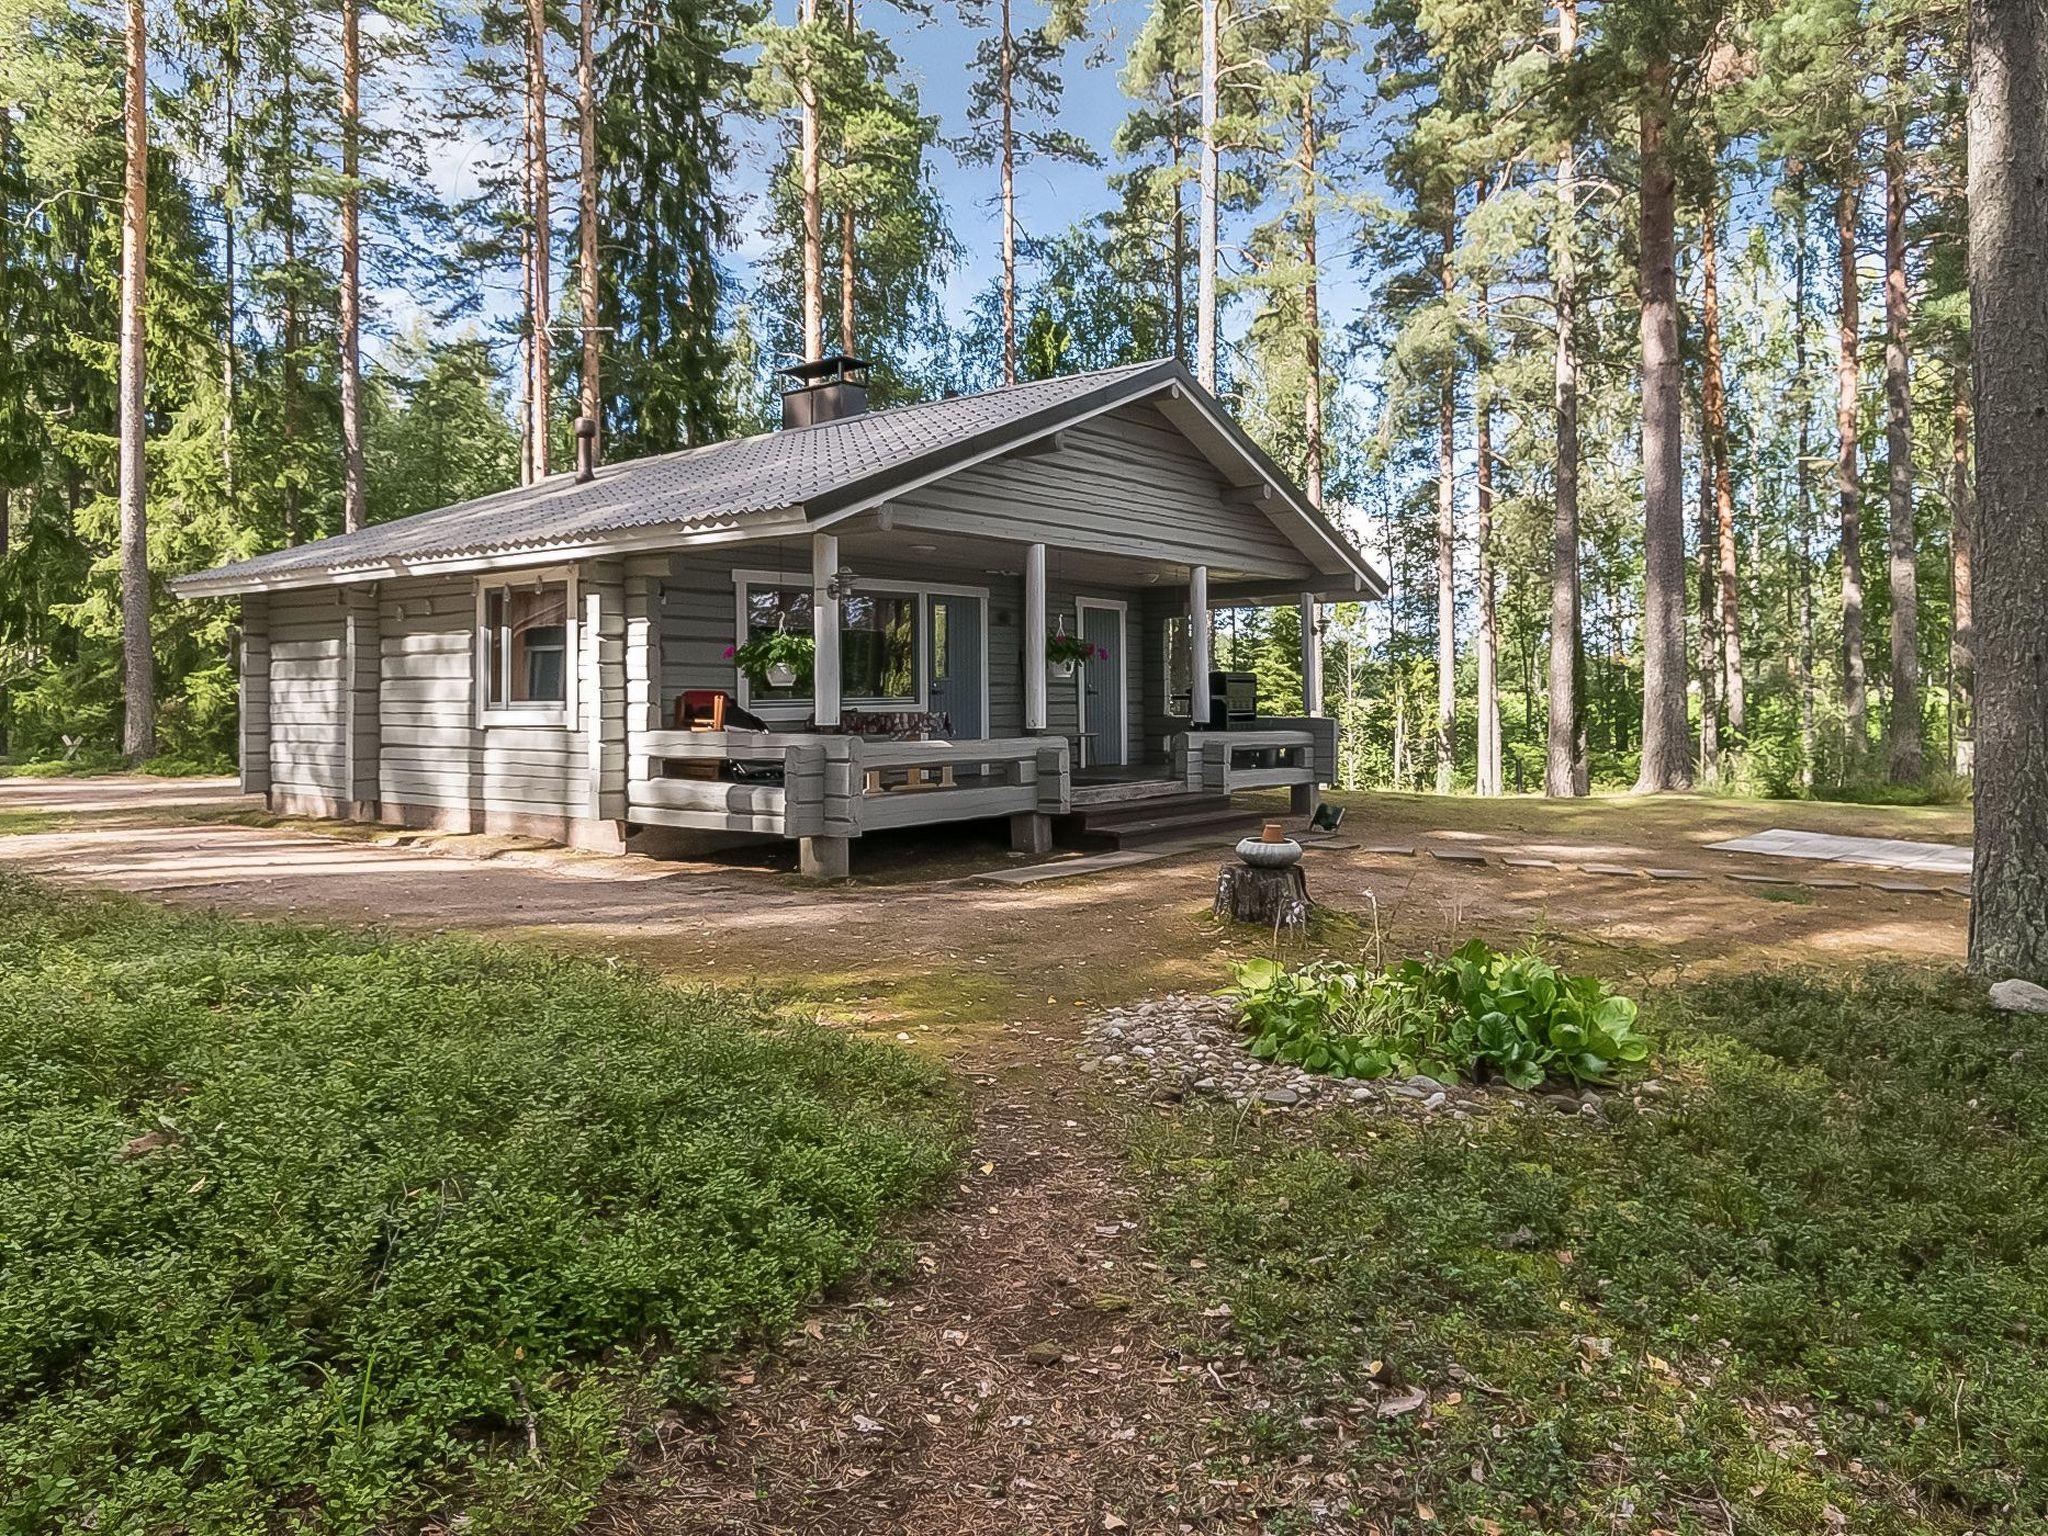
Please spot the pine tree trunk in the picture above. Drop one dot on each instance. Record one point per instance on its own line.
(849, 264)
(1563, 761)
(2008, 117)
(1848, 385)
(1805, 658)
(543, 388)
(290, 378)
(1311, 304)
(1903, 721)
(592, 401)
(1666, 747)
(1728, 616)
(352, 487)
(138, 689)
(230, 206)
(1009, 153)
(1962, 509)
(811, 152)
(1710, 619)
(1489, 744)
(1446, 548)
(1180, 257)
(1205, 271)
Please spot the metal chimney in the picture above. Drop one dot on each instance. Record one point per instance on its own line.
(831, 388)
(586, 449)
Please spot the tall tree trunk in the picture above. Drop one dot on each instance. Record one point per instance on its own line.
(1488, 724)
(543, 390)
(1805, 661)
(1311, 303)
(1446, 546)
(1179, 292)
(230, 206)
(849, 264)
(1728, 616)
(1848, 386)
(1564, 752)
(1205, 273)
(352, 476)
(1666, 748)
(1004, 67)
(1710, 620)
(1962, 506)
(2008, 107)
(811, 152)
(290, 371)
(592, 402)
(1903, 724)
(138, 688)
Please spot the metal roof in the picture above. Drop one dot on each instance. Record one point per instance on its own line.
(808, 471)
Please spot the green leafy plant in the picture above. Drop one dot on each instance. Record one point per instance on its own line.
(1478, 1012)
(774, 648)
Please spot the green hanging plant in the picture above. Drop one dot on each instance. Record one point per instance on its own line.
(789, 657)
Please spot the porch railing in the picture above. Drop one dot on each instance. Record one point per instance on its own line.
(1279, 752)
(838, 786)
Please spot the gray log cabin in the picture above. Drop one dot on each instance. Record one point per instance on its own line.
(556, 660)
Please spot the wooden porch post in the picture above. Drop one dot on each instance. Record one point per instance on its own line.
(1311, 657)
(1034, 638)
(1198, 646)
(825, 629)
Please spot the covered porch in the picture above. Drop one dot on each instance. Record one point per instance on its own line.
(932, 698)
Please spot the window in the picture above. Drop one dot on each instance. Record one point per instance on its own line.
(878, 646)
(877, 642)
(524, 650)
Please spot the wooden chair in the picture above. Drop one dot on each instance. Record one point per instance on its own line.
(700, 709)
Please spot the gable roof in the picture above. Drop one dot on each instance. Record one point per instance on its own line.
(774, 482)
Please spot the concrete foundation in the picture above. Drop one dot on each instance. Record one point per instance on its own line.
(825, 858)
(1031, 832)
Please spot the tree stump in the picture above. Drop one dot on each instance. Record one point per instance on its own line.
(1272, 898)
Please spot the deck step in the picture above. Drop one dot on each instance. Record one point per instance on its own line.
(1134, 825)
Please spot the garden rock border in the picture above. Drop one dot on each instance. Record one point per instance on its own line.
(1185, 1047)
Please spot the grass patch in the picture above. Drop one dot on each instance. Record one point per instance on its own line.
(1809, 1291)
(402, 1209)
(98, 767)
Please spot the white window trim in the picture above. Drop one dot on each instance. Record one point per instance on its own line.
(560, 716)
(801, 709)
(1122, 665)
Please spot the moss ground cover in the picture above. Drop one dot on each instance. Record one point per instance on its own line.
(1807, 1291)
(309, 1228)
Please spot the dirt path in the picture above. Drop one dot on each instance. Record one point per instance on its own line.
(922, 1406)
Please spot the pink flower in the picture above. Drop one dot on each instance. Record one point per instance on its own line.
(728, 653)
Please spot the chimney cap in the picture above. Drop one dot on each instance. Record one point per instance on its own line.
(834, 369)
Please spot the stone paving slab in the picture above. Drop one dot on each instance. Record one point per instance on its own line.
(1612, 869)
(1674, 874)
(1066, 869)
(1831, 885)
(1397, 850)
(1523, 861)
(1765, 879)
(1875, 852)
(1906, 888)
(1457, 855)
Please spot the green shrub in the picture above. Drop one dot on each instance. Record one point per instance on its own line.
(1806, 1292)
(304, 1228)
(1477, 1012)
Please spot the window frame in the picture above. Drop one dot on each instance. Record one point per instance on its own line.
(781, 710)
(560, 716)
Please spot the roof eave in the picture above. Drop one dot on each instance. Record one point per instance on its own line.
(624, 541)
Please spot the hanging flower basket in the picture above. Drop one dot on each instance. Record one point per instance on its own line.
(1064, 652)
(777, 659)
